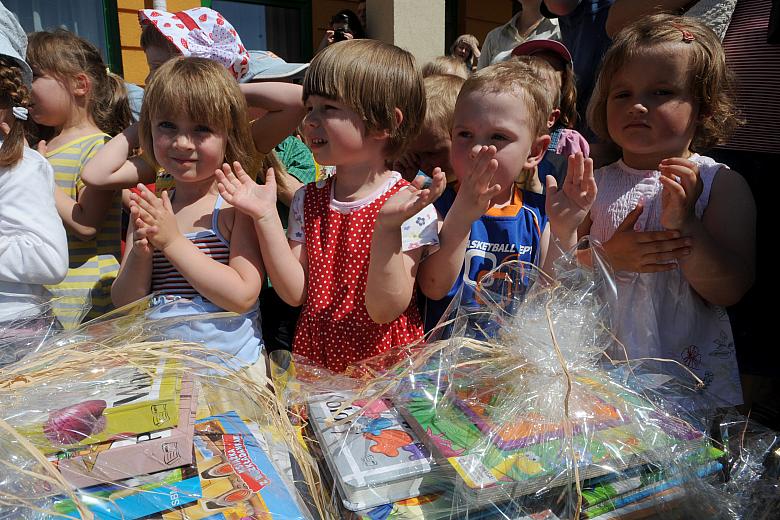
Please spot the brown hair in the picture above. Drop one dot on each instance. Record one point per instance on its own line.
(152, 37)
(450, 65)
(441, 93)
(373, 78)
(520, 79)
(65, 55)
(204, 91)
(710, 81)
(13, 93)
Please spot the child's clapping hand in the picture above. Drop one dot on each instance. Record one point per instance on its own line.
(258, 201)
(411, 200)
(682, 187)
(476, 187)
(157, 222)
(568, 205)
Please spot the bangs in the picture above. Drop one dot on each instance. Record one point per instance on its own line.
(327, 77)
(181, 89)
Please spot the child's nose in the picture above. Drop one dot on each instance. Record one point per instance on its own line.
(638, 108)
(184, 141)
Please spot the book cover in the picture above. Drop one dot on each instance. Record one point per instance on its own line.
(123, 400)
(137, 497)
(237, 477)
(374, 458)
(490, 473)
(129, 456)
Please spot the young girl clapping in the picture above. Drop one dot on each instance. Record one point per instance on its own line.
(364, 99)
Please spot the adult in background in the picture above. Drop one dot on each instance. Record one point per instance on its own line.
(466, 48)
(345, 25)
(582, 24)
(528, 24)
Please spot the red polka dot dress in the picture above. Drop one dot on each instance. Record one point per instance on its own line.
(334, 329)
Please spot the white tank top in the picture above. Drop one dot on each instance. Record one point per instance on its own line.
(659, 314)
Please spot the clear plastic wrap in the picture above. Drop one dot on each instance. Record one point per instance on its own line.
(527, 408)
(24, 325)
(115, 419)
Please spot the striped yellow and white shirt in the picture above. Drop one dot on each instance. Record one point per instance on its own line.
(93, 263)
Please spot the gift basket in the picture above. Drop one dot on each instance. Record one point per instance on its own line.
(530, 408)
(121, 418)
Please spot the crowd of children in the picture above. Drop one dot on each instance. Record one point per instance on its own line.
(373, 255)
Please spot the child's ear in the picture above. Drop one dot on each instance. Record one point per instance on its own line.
(538, 149)
(386, 132)
(553, 117)
(81, 84)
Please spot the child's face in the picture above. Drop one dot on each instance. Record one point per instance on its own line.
(189, 150)
(336, 134)
(651, 111)
(462, 50)
(431, 149)
(156, 56)
(51, 100)
(500, 119)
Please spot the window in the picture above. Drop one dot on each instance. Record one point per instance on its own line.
(282, 28)
(87, 18)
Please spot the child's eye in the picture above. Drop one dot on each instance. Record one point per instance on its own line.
(662, 92)
(166, 125)
(499, 137)
(620, 95)
(463, 134)
(202, 128)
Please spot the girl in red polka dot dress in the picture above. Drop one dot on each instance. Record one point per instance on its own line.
(364, 100)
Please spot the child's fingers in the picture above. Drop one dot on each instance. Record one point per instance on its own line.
(270, 179)
(552, 185)
(672, 188)
(575, 169)
(631, 219)
(166, 201)
(241, 174)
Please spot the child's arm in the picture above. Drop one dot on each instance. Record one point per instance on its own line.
(284, 260)
(283, 103)
(111, 169)
(721, 263)
(33, 245)
(233, 287)
(392, 271)
(134, 280)
(437, 273)
(567, 208)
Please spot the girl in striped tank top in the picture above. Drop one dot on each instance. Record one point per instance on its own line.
(83, 105)
(195, 252)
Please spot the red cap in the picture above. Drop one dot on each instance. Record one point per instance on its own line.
(531, 47)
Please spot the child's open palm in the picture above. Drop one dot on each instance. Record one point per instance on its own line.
(568, 206)
(411, 200)
(240, 191)
(682, 187)
(156, 215)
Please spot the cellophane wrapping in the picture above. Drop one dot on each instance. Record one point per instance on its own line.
(121, 418)
(529, 407)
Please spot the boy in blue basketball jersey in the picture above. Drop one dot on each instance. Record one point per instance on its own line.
(499, 128)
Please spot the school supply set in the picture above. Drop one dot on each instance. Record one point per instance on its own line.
(110, 421)
(522, 418)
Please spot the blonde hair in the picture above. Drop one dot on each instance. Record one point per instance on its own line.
(450, 65)
(710, 80)
(204, 91)
(13, 93)
(64, 55)
(473, 44)
(520, 79)
(441, 93)
(372, 78)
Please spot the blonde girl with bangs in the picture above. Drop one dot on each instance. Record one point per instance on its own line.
(82, 106)
(196, 253)
(678, 228)
(365, 99)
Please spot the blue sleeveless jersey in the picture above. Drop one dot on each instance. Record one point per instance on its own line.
(511, 233)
